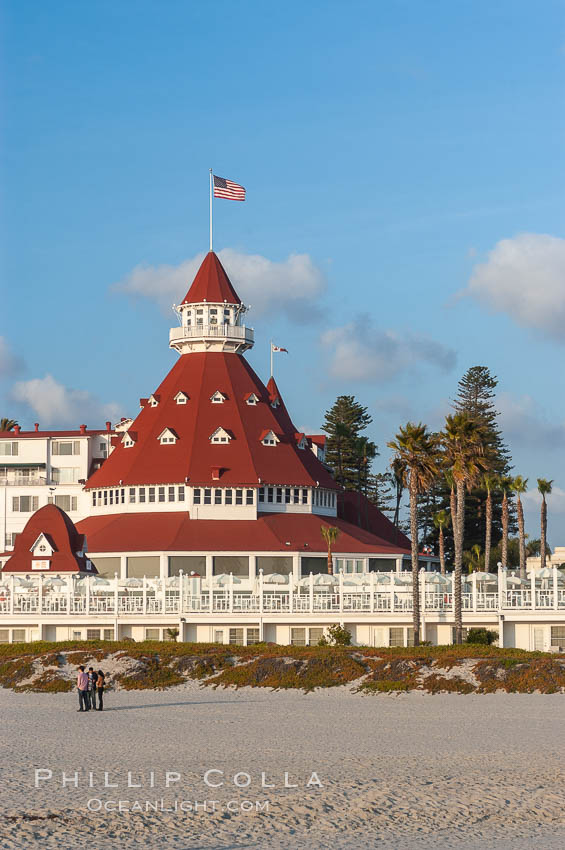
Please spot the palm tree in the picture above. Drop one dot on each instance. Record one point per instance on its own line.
(330, 534)
(520, 485)
(398, 471)
(505, 486)
(417, 449)
(464, 441)
(475, 559)
(490, 483)
(544, 488)
(7, 424)
(441, 518)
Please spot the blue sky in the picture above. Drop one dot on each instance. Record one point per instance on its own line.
(410, 154)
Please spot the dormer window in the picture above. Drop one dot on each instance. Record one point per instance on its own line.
(181, 397)
(217, 398)
(42, 547)
(301, 441)
(220, 435)
(275, 402)
(167, 437)
(269, 438)
(129, 439)
(251, 399)
(154, 400)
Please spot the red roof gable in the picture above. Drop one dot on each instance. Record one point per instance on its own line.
(154, 532)
(60, 532)
(211, 284)
(245, 460)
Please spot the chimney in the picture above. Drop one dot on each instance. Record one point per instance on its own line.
(16, 429)
(83, 429)
(216, 473)
(108, 426)
(36, 426)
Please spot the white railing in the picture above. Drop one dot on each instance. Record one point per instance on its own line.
(35, 595)
(22, 481)
(240, 332)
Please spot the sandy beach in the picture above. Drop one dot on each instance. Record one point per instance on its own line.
(404, 771)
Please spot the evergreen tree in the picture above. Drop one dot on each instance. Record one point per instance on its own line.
(348, 452)
(475, 396)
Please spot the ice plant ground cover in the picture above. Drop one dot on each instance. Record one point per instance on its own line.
(51, 667)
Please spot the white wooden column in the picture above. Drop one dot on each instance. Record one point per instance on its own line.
(533, 588)
(555, 588)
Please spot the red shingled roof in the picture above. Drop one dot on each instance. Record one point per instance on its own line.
(211, 284)
(245, 460)
(357, 509)
(62, 535)
(154, 532)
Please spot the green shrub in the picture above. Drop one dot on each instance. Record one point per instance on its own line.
(338, 636)
(483, 637)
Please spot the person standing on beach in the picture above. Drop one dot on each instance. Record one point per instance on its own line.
(100, 689)
(82, 685)
(92, 677)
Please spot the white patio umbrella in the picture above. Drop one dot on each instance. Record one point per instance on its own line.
(132, 582)
(403, 579)
(484, 577)
(275, 578)
(435, 578)
(224, 579)
(515, 581)
(382, 578)
(23, 582)
(100, 581)
(56, 581)
(319, 580)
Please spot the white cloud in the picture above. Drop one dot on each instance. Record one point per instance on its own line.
(360, 352)
(523, 423)
(55, 404)
(10, 364)
(525, 278)
(292, 286)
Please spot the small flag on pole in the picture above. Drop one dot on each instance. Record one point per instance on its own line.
(278, 348)
(228, 189)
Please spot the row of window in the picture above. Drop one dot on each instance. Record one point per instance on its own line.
(204, 496)
(284, 495)
(170, 493)
(306, 636)
(324, 498)
(30, 504)
(238, 636)
(10, 448)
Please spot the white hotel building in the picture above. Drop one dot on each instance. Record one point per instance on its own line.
(204, 514)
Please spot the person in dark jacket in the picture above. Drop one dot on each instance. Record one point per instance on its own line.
(100, 680)
(92, 677)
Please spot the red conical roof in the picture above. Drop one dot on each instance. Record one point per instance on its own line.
(60, 533)
(193, 458)
(211, 284)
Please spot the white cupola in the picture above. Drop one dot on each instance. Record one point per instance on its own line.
(211, 314)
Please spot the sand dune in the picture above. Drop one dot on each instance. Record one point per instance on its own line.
(405, 771)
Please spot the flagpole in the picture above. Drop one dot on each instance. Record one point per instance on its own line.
(210, 209)
(272, 376)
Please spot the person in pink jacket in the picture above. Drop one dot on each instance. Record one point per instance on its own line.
(82, 685)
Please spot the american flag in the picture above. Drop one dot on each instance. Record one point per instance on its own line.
(228, 189)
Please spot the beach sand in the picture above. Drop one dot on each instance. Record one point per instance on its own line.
(404, 771)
